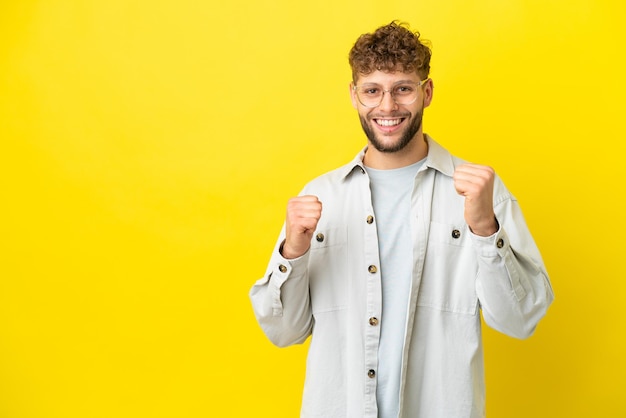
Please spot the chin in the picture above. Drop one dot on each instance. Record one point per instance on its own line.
(391, 146)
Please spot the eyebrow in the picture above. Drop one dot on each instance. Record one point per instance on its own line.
(394, 84)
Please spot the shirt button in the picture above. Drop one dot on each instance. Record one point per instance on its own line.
(372, 269)
(282, 268)
(371, 373)
(500, 243)
(370, 219)
(319, 237)
(373, 321)
(456, 233)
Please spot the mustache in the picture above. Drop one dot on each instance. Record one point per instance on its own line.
(391, 115)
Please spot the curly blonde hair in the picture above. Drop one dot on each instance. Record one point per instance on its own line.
(388, 48)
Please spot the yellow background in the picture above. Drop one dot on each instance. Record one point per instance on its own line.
(148, 149)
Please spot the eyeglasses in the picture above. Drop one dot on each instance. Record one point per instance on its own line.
(371, 95)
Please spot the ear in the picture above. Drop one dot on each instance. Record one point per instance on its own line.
(428, 88)
(353, 96)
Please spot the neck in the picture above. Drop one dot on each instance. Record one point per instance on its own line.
(415, 151)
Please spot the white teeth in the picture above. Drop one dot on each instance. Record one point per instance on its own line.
(388, 122)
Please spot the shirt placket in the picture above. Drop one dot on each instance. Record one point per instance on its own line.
(371, 322)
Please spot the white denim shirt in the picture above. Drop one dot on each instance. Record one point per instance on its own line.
(333, 293)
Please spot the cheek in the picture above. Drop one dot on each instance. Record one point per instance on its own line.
(418, 108)
(364, 115)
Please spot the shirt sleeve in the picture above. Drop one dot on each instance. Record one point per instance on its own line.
(512, 283)
(281, 299)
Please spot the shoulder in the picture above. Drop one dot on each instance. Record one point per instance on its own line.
(445, 162)
(337, 178)
(500, 191)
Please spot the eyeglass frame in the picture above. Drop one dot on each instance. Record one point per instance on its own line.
(419, 84)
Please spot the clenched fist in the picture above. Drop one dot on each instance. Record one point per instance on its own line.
(303, 213)
(475, 182)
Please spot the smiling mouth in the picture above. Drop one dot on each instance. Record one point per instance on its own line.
(389, 122)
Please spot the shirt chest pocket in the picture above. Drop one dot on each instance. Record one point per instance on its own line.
(450, 270)
(328, 265)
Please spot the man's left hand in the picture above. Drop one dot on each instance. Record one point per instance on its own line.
(475, 182)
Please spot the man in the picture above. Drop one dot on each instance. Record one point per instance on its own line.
(387, 260)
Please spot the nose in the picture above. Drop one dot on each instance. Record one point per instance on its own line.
(387, 103)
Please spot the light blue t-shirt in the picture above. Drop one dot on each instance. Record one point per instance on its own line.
(391, 198)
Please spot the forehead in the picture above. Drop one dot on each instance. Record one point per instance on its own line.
(387, 78)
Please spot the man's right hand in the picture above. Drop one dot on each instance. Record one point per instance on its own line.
(303, 213)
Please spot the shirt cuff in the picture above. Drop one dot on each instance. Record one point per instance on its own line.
(494, 245)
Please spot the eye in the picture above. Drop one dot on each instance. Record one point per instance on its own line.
(370, 91)
(404, 89)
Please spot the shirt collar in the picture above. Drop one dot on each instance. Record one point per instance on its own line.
(438, 158)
